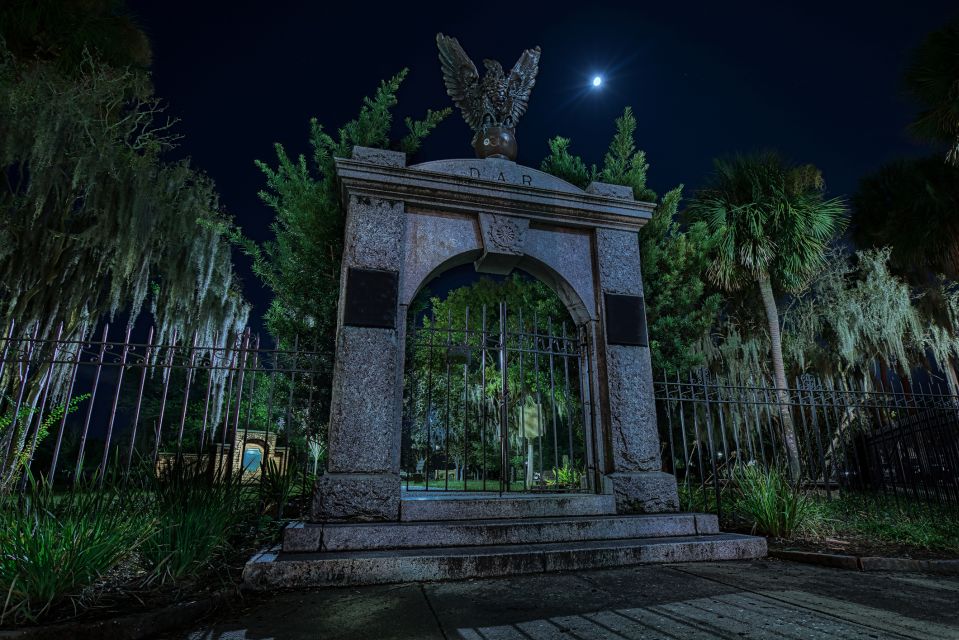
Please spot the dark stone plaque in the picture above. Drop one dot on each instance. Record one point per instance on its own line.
(625, 320)
(371, 298)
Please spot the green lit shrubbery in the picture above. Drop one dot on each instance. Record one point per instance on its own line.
(62, 548)
(773, 505)
(55, 547)
(195, 522)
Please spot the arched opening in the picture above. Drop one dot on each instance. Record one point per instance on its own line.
(496, 386)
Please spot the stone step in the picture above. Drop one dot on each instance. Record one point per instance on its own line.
(307, 537)
(270, 570)
(423, 505)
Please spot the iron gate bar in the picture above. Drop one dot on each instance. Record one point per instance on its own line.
(113, 408)
(512, 336)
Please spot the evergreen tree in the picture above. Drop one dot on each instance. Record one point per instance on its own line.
(679, 310)
(301, 265)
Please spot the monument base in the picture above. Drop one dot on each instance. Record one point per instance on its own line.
(356, 497)
(649, 492)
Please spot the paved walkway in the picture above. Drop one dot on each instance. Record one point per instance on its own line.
(760, 599)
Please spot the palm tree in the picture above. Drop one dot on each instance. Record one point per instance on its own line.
(772, 225)
(932, 77)
(911, 206)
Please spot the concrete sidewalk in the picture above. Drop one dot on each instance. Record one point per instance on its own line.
(758, 599)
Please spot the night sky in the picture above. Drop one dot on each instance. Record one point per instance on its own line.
(818, 81)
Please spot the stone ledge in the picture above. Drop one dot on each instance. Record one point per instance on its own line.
(869, 563)
(272, 569)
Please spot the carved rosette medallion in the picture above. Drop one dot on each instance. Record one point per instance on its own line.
(505, 235)
(504, 239)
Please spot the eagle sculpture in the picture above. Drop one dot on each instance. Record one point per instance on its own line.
(493, 103)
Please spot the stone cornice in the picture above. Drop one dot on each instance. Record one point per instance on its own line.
(429, 190)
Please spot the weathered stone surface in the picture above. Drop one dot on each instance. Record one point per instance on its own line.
(434, 244)
(374, 234)
(278, 570)
(479, 506)
(311, 538)
(498, 170)
(651, 492)
(610, 190)
(619, 262)
(363, 407)
(634, 437)
(707, 523)
(563, 259)
(380, 156)
(357, 497)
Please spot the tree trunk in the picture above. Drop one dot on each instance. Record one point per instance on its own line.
(779, 373)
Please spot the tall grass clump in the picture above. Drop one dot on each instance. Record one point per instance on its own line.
(55, 547)
(773, 505)
(197, 516)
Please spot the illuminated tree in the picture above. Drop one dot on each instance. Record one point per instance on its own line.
(772, 224)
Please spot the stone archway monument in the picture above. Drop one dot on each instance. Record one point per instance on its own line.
(407, 224)
(404, 226)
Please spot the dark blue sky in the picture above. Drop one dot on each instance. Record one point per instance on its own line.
(818, 81)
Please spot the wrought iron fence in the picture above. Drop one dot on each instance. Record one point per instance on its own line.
(495, 402)
(903, 443)
(102, 409)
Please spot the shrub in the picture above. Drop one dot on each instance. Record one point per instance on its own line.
(196, 517)
(770, 503)
(55, 547)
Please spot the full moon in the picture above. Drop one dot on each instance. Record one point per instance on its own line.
(597, 80)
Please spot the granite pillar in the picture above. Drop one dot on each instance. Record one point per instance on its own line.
(632, 442)
(362, 472)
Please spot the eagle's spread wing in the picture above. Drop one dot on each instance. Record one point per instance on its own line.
(462, 80)
(521, 80)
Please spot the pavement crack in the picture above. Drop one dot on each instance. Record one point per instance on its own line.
(429, 604)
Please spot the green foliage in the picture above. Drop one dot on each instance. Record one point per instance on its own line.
(196, 517)
(911, 206)
(562, 164)
(623, 163)
(771, 220)
(301, 265)
(276, 487)
(63, 31)
(93, 214)
(56, 547)
(890, 520)
(931, 79)
(770, 503)
(679, 310)
(43, 430)
(566, 475)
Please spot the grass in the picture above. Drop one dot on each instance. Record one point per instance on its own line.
(57, 547)
(890, 521)
(767, 499)
(764, 502)
(196, 519)
(59, 551)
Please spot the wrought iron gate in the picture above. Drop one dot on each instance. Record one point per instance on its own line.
(496, 402)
